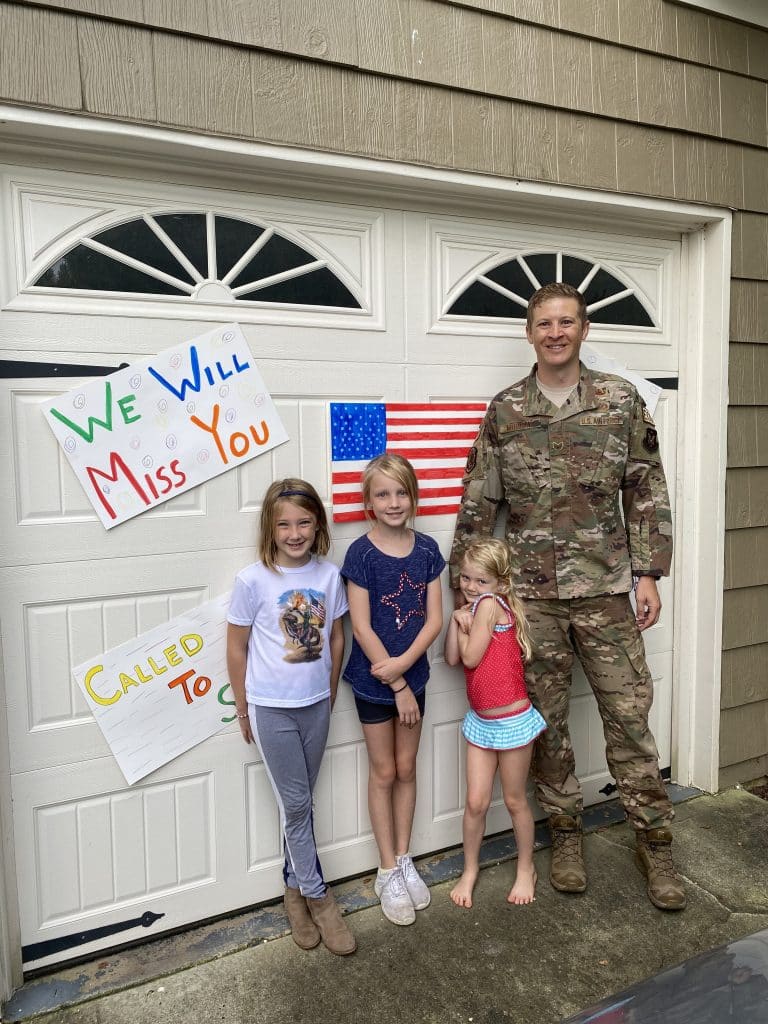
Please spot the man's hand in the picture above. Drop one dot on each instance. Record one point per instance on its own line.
(648, 603)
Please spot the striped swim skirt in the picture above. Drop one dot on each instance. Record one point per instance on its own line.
(503, 733)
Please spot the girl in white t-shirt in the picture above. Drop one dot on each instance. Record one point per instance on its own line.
(284, 649)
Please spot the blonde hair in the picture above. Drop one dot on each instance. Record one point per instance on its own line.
(400, 470)
(555, 290)
(300, 493)
(492, 557)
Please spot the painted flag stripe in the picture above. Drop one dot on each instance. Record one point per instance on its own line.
(355, 497)
(437, 421)
(435, 406)
(419, 435)
(429, 510)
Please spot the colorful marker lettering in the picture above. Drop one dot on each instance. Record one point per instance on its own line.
(193, 381)
(104, 701)
(182, 682)
(238, 442)
(125, 404)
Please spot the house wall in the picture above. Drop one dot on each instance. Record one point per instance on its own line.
(635, 96)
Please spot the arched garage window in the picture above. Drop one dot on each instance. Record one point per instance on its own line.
(504, 290)
(201, 257)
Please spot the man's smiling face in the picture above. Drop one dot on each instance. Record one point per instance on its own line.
(556, 333)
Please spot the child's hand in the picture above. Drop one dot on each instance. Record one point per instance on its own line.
(463, 619)
(407, 708)
(245, 729)
(388, 670)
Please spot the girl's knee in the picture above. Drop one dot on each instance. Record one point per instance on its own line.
(297, 810)
(383, 774)
(477, 805)
(406, 770)
(516, 803)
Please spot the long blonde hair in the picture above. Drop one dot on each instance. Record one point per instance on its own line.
(300, 493)
(492, 557)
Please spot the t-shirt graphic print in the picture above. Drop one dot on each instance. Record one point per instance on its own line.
(302, 617)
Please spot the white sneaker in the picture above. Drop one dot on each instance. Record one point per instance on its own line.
(414, 883)
(395, 902)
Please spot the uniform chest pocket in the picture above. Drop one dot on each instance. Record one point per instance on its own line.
(602, 469)
(525, 458)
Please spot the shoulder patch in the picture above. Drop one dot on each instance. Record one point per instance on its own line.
(647, 418)
(651, 441)
(471, 459)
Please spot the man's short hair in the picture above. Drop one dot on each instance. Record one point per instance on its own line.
(555, 290)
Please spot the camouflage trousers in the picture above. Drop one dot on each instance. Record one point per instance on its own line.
(602, 633)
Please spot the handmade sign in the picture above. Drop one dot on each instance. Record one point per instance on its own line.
(164, 692)
(144, 434)
(650, 393)
(434, 436)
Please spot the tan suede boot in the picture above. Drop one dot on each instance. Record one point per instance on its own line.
(567, 872)
(303, 929)
(334, 932)
(654, 858)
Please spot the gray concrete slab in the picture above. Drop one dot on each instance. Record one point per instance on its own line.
(491, 964)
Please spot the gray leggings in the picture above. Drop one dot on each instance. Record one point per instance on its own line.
(292, 742)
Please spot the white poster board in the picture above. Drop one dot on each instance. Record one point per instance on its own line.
(144, 434)
(164, 692)
(650, 393)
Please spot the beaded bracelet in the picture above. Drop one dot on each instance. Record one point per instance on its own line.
(241, 716)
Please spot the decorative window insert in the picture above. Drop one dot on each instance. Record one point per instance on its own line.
(199, 257)
(503, 291)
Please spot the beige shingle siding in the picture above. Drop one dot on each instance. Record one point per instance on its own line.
(639, 96)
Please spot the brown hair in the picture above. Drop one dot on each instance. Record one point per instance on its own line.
(555, 290)
(492, 556)
(396, 467)
(300, 493)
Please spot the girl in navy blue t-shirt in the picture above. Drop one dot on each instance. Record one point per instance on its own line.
(395, 603)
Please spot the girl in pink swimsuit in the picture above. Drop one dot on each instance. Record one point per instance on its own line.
(489, 636)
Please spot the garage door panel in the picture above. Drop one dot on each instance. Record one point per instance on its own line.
(86, 613)
(101, 858)
(201, 835)
(341, 815)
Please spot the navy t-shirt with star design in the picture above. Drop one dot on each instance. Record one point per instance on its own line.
(397, 592)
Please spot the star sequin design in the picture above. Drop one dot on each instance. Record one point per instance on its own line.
(391, 600)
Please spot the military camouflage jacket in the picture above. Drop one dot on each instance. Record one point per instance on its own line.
(561, 471)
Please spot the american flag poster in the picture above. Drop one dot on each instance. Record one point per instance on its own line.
(434, 436)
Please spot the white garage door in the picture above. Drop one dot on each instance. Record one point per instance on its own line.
(338, 302)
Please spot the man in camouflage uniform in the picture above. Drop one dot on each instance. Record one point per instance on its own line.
(560, 447)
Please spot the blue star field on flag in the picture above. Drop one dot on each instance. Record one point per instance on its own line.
(358, 430)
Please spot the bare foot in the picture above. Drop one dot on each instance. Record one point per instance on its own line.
(524, 889)
(461, 894)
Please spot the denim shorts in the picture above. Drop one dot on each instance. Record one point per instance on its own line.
(371, 713)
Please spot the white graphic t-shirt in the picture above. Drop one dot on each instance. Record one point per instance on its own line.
(290, 612)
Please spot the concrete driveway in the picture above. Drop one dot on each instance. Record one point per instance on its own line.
(489, 965)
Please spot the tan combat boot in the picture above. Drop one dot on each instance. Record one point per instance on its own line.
(654, 858)
(333, 928)
(303, 929)
(567, 872)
